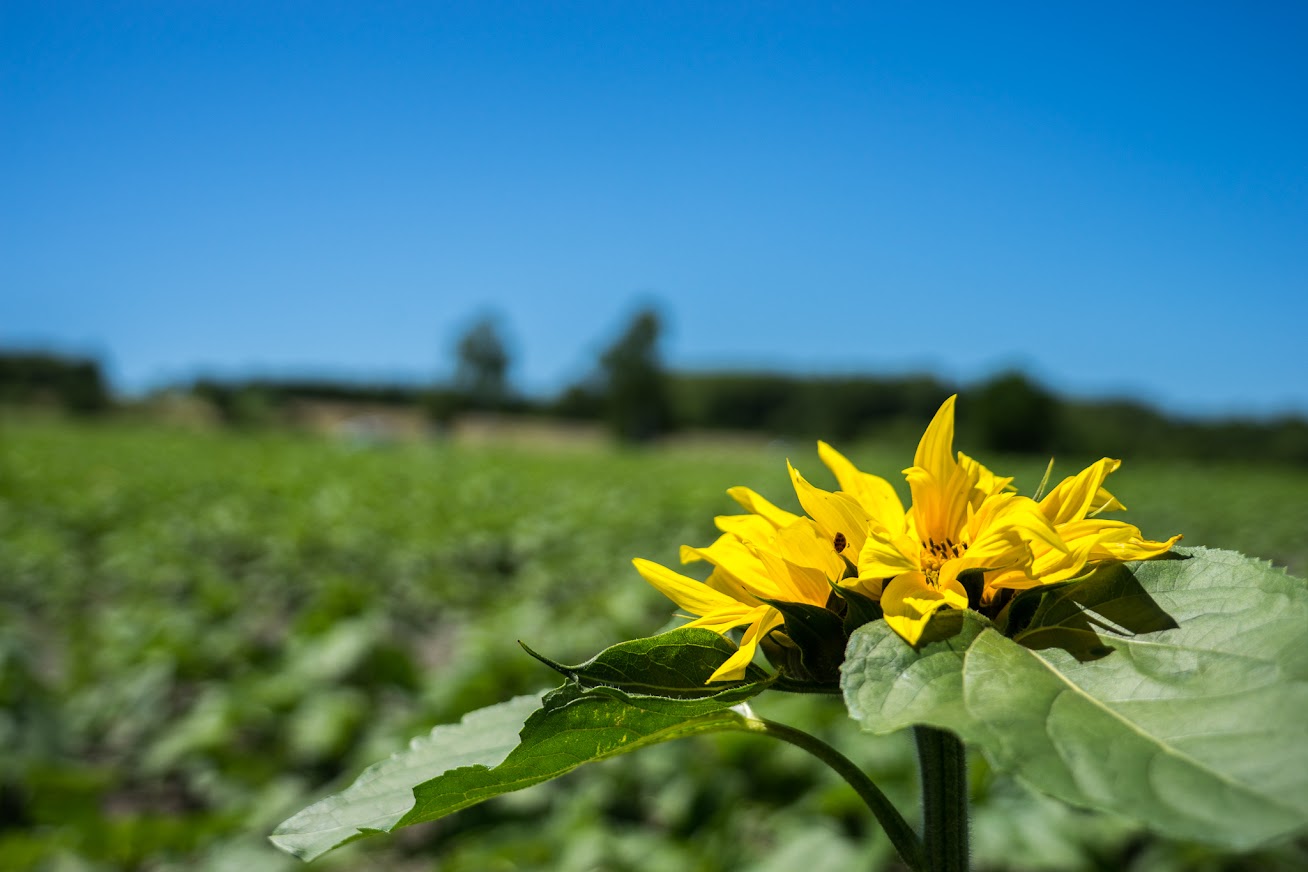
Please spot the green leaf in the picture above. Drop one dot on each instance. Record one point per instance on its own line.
(1199, 730)
(383, 794)
(574, 726)
(888, 685)
(677, 663)
(529, 740)
(1111, 598)
(1083, 643)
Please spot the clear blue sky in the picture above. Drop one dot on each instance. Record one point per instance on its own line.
(1113, 197)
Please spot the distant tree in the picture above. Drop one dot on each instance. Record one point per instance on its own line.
(1015, 414)
(75, 384)
(634, 384)
(481, 375)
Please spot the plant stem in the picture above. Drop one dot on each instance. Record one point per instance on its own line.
(943, 761)
(901, 834)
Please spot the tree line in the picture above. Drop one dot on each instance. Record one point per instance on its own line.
(75, 384)
(632, 392)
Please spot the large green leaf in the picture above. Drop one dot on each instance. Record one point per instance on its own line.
(574, 726)
(1200, 730)
(383, 794)
(529, 740)
(889, 685)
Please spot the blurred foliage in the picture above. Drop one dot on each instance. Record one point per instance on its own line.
(261, 403)
(1007, 413)
(202, 632)
(639, 400)
(839, 409)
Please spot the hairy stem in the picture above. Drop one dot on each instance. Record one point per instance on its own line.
(943, 762)
(901, 834)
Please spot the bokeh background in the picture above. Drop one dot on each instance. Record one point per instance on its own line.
(342, 345)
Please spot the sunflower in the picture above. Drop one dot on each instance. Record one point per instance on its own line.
(963, 519)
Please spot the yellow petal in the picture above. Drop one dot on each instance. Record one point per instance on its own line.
(1014, 579)
(834, 514)
(1126, 543)
(1046, 566)
(940, 506)
(722, 624)
(1076, 496)
(1002, 514)
(751, 528)
(743, 563)
(1016, 553)
(802, 543)
(1088, 541)
(910, 600)
(874, 493)
(869, 587)
(801, 584)
(724, 582)
(881, 558)
(1105, 502)
(759, 505)
(935, 450)
(986, 481)
(689, 594)
(763, 620)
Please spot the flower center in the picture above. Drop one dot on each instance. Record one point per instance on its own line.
(934, 555)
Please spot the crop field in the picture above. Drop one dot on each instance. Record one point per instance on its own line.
(200, 633)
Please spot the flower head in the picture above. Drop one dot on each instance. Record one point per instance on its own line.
(772, 555)
(963, 519)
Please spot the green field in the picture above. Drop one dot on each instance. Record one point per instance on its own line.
(202, 632)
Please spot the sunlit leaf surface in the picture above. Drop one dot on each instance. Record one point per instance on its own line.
(1199, 731)
(530, 739)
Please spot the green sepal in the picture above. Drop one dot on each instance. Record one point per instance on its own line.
(974, 582)
(859, 608)
(1015, 616)
(819, 636)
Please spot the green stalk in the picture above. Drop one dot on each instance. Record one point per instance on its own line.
(901, 834)
(943, 761)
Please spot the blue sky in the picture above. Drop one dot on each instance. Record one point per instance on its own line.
(1114, 198)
